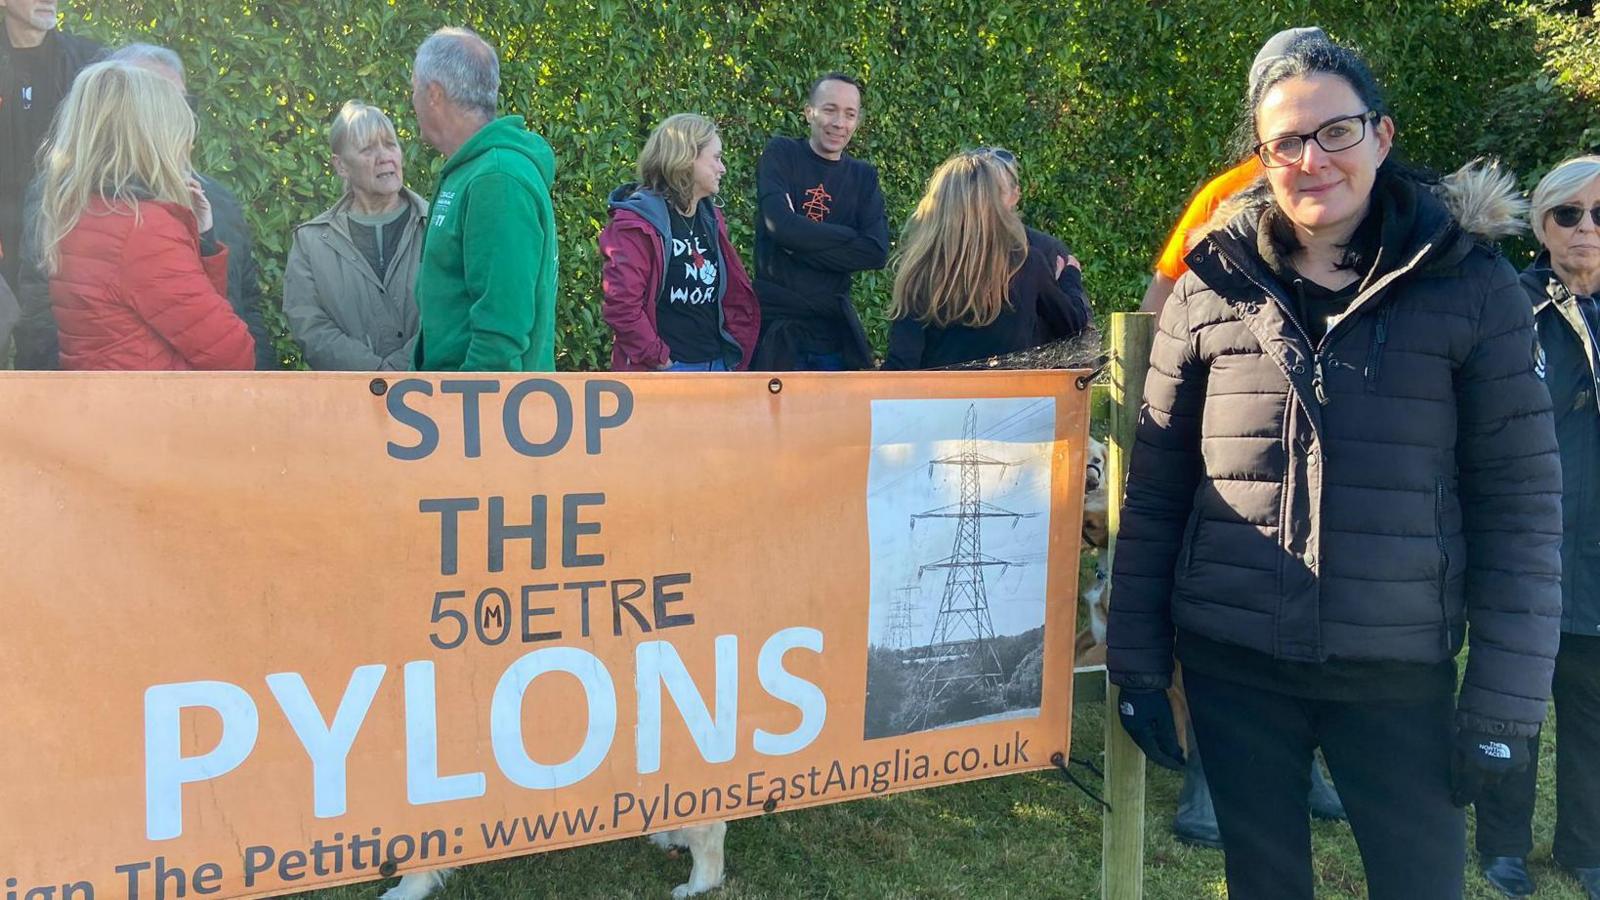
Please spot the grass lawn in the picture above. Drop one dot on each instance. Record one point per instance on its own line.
(1029, 835)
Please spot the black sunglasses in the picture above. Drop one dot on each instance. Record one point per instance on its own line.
(1568, 215)
(1000, 153)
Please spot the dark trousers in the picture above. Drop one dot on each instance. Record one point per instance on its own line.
(1505, 811)
(1390, 762)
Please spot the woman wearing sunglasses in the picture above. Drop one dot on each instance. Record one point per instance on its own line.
(1563, 283)
(1346, 460)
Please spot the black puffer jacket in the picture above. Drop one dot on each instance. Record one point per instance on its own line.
(1572, 373)
(1367, 499)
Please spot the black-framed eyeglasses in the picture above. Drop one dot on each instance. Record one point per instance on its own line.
(1340, 134)
(1568, 215)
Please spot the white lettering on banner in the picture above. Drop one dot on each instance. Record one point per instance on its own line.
(423, 784)
(797, 692)
(505, 718)
(657, 663)
(166, 769)
(327, 744)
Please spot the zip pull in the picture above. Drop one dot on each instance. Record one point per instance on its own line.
(1316, 382)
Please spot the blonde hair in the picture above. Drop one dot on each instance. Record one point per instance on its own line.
(357, 125)
(1560, 185)
(666, 165)
(123, 134)
(961, 246)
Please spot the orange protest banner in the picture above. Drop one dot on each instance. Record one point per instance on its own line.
(265, 633)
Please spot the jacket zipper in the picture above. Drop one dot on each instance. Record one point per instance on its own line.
(1594, 343)
(1444, 559)
(1316, 355)
(1288, 311)
(1375, 357)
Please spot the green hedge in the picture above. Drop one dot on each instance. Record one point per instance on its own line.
(1117, 111)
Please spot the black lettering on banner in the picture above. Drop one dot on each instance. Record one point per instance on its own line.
(454, 615)
(132, 870)
(572, 529)
(583, 602)
(511, 417)
(427, 431)
(292, 865)
(662, 597)
(533, 532)
(449, 510)
(594, 422)
(483, 614)
(470, 390)
(257, 860)
(207, 879)
(528, 612)
(619, 603)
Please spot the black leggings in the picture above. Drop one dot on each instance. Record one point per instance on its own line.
(1505, 812)
(1390, 763)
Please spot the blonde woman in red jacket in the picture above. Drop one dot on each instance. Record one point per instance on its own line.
(136, 279)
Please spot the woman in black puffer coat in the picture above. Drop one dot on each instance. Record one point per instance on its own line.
(1345, 462)
(1564, 285)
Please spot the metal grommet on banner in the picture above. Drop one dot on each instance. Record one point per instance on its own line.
(774, 386)
(388, 868)
(772, 802)
(1061, 762)
(1100, 363)
(378, 387)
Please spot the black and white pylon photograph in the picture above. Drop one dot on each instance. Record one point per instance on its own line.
(958, 510)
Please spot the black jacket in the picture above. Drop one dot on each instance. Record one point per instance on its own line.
(9, 313)
(70, 55)
(1036, 312)
(1368, 499)
(37, 346)
(1570, 346)
(819, 222)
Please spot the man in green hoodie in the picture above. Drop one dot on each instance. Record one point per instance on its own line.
(486, 285)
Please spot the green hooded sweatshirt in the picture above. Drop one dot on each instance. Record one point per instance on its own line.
(486, 286)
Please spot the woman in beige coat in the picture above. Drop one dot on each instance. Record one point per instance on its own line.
(348, 288)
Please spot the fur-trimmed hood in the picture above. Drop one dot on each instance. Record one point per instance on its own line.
(1481, 197)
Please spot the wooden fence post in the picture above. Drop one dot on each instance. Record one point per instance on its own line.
(1122, 829)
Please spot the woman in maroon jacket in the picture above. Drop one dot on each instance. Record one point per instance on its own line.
(676, 295)
(136, 279)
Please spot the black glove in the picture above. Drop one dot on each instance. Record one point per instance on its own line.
(1147, 718)
(1481, 760)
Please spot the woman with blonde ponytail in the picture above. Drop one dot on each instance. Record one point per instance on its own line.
(124, 232)
(966, 286)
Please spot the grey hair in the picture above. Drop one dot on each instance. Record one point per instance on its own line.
(464, 65)
(144, 54)
(1561, 185)
(357, 125)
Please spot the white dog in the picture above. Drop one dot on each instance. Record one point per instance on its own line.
(704, 843)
